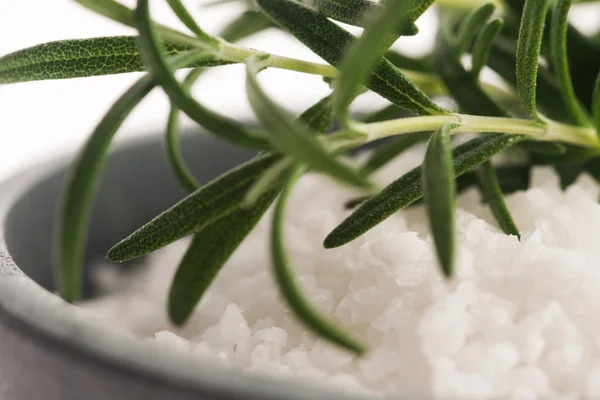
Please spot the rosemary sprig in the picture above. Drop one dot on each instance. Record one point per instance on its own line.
(560, 102)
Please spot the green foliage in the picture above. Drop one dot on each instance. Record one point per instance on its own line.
(472, 24)
(158, 67)
(560, 62)
(81, 187)
(492, 192)
(247, 24)
(79, 58)
(408, 188)
(199, 209)
(550, 67)
(596, 104)
(367, 51)
(292, 137)
(329, 41)
(291, 291)
(185, 177)
(439, 191)
(388, 151)
(210, 248)
(358, 12)
(483, 45)
(528, 52)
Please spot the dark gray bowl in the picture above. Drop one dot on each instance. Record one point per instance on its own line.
(48, 349)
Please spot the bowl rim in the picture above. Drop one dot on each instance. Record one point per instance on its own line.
(29, 308)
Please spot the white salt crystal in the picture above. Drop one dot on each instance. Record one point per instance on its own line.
(231, 329)
(519, 320)
(328, 357)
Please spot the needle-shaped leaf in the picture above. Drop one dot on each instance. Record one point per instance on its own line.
(466, 91)
(79, 58)
(291, 291)
(185, 17)
(365, 53)
(247, 24)
(596, 104)
(318, 117)
(185, 177)
(471, 25)
(439, 191)
(124, 15)
(199, 209)
(357, 13)
(154, 59)
(419, 64)
(560, 61)
(502, 60)
(408, 188)
(291, 137)
(483, 45)
(392, 149)
(584, 57)
(267, 180)
(492, 193)
(528, 52)
(329, 41)
(81, 186)
(210, 248)
(461, 84)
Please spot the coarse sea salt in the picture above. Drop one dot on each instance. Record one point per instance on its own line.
(521, 319)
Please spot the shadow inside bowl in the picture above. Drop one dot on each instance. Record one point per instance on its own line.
(137, 184)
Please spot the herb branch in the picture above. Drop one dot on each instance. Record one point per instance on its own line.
(549, 106)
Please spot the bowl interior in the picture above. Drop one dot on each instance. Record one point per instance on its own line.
(137, 184)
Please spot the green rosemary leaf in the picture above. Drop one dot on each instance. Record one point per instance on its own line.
(596, 104)
(124, 15)
(492, 192)
(267, 181)
(291, 291)
(422, 64)
(329, 41)
(82, 183)
(364, 53)
(247, 24)
(293, 137)
(502, 60)
(439, 192)
(392, 149)
(483, 45)
(584, 57)
(560, 62)
(318, 117)
(461, 84)
(528, 52)
(206, 205)
(357, 13)
(185, 177)
(408, 189)
(152, 55)
(210, 248)
(471, 25)
(185, 17)
(79, 58)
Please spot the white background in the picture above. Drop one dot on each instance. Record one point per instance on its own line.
(41, 120)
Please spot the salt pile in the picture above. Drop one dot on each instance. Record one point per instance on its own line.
(521, 320)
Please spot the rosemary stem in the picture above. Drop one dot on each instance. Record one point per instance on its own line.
(547, 131)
